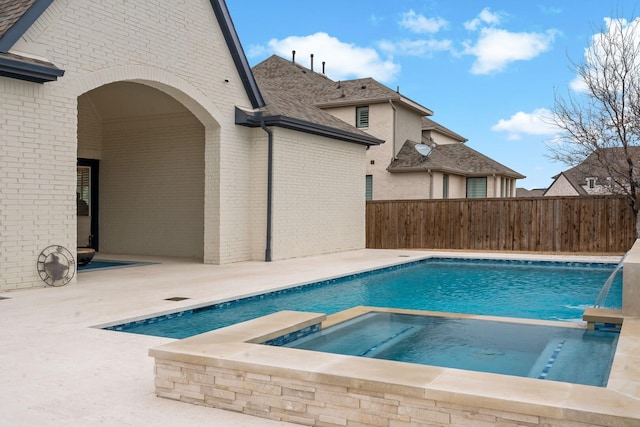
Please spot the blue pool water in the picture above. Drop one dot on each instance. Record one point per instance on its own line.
(543, 352)
(99, 264)
(537, 290)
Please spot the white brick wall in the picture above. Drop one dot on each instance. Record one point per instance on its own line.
(37, 178)
(387, 186)
(175, 47)
(318, 193)
(152, 186)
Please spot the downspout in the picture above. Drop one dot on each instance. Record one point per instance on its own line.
(393, 157)
(267, 253)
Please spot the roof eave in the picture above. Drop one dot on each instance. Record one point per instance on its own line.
(21, 26)
(355, 102)
(403, 169)
(243, 118)
(21, 70)
(237, 53)
(414, 105)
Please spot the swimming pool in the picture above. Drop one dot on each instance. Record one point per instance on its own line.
(105, 264)
(528, 289)
(556, 353)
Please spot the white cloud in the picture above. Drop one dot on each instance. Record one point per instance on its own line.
(578, 85)
(343, 60)
(420, 47)
(485, 17)
(496, 48)
(615, 30)
(420, 24)
(538, 122)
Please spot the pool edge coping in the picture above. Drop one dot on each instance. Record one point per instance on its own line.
(234, 348)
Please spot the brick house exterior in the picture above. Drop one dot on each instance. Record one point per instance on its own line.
(394, 170)
(144, 100)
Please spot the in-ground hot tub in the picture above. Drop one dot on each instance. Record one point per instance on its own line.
(560, 352)
(230, 368)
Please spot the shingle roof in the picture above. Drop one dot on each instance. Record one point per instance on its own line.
(11, 11)
(450, 158)
(291, 90)
(16, 16)
(593, 167)
(281, 103)
(319, 90)
(534, 192)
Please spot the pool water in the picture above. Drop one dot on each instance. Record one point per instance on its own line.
(537, 290)
(537, 351)
(98, 264)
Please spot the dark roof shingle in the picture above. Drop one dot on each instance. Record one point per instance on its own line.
(11, 11)
(594, 167)
(450, 158)
(319, 90)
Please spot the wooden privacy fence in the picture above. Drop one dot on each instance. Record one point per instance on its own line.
(602, 224)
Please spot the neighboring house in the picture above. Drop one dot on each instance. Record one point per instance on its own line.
(394, 169)
(534, 192)
(597, 174)
(453, 171)
(150, 114)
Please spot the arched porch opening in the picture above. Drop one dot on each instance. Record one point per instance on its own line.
(141, 172)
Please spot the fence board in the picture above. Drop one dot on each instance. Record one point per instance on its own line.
(602, 224)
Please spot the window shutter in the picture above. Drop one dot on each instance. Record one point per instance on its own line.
(362, 117)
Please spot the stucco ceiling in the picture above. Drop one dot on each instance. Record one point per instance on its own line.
(126, 99)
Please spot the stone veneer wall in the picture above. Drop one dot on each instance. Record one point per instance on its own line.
(309, 402)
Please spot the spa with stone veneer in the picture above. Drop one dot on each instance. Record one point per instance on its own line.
(229, 368)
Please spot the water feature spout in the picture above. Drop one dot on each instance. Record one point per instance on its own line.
(604, 291)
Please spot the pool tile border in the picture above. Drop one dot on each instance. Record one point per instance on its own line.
(122, 327)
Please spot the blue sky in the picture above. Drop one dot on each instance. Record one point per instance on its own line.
(488, 69)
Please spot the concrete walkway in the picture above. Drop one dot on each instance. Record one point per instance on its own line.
(59, 370)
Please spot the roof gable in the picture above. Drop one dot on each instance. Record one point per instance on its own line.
(560, 186)
(237, 53)
(17, 16)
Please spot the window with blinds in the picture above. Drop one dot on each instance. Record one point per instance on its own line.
(362, 117)
(83, 190)
(476, 188)
(369, 187)
(445, 186)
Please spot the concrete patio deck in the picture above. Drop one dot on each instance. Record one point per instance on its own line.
(60, 370)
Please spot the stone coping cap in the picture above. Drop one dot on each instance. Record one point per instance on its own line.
(501, 392)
